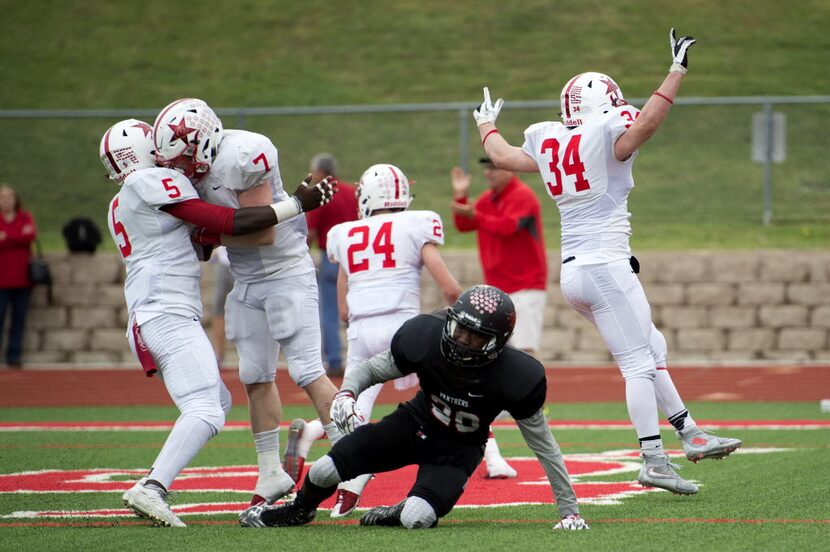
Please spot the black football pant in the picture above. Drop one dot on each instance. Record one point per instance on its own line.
(445, 463)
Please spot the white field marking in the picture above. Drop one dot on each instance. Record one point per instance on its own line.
(561, 425)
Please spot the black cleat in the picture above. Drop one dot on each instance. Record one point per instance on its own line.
(386, 516)
(284, 515)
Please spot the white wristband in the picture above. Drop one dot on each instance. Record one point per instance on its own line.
(677, 68)
(286, 209)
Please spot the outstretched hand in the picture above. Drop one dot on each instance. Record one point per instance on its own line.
(679, 50)
(317, 195)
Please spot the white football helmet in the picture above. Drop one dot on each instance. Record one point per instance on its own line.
(187, 134)
(587, 95)
(382, 187)
(126, 147)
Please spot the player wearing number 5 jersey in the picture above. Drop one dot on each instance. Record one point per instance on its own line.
(380, 258)
(586, 164)
(274, 300)
(148, 219)
(467, 376)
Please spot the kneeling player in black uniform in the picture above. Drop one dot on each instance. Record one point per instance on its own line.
(467, 377)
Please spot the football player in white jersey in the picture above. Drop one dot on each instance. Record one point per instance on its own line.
(273, 303)
(380, 257)
(585, 163)
(148, 222)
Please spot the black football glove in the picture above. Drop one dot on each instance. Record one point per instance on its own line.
(679, 51)
(312, 197)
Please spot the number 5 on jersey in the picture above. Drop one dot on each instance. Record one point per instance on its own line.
(382, 246)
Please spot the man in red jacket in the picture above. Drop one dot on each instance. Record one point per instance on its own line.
(511, 244)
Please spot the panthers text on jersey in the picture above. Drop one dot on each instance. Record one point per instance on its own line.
(590, 186)
(162, 268)
(514, 381)
(245, 160)
(381, 256)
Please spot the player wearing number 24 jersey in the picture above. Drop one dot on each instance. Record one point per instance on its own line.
(585, 162)
(380, 257)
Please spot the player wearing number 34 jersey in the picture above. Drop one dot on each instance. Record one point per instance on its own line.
(585, 162)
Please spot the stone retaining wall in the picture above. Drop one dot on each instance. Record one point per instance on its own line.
(711, 306)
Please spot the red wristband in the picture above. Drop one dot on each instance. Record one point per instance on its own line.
(656, 93)
(488, 135)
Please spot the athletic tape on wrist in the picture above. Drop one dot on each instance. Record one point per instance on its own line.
(677, 68)
(287, 209)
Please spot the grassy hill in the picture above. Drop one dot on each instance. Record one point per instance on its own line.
(696, 186)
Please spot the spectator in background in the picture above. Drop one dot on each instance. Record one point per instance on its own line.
(343, 208)
(17, 232)
(222, 285)
(511, 245)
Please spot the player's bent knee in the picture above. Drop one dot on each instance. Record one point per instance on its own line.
(323, 472)
(418, 514)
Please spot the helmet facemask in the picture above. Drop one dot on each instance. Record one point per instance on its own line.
(488, 315)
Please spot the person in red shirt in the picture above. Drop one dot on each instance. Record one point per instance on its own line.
(511, 245)
(17, 232)
(342, 208)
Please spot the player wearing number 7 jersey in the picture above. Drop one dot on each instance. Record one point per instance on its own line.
(274, 301)
(148, 219)
(380, 257)
(586, 164)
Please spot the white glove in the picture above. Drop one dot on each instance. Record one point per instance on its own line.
(487, 112)
(679, 47)
(344, 414)
(573, 522)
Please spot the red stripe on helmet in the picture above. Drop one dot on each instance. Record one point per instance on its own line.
(568, 95)
(397, 183)
(107, 152)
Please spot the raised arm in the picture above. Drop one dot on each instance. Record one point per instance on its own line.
(658, 105)
(501, 153)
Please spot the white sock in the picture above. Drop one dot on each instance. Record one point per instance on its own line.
(313, 430)
(268, 451)
(332, 433)
(669, 401)
(491, 449)
(642, 409)
(189, 435)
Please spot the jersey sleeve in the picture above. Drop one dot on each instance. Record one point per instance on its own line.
(160, 187)
(256, 159)
(408, 344)
(430, 229)
(333, 243)
(619, 120)
(527, 387)
(532, 134)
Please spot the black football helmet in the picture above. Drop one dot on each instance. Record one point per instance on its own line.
(485, 310)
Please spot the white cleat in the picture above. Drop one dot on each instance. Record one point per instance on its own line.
(150, 504)
(498, 468)
(658, 472)
(271, 488)
(699, 445)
